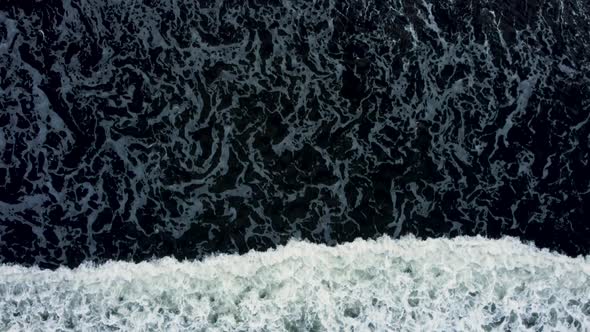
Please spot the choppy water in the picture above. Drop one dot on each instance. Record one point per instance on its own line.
(464, 284)
(137, 128)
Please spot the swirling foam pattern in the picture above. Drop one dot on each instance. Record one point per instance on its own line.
(464, 284)
(164, 127)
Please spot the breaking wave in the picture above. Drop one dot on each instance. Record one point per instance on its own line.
(367, 285)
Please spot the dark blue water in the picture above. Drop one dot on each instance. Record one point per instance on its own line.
(132, 129)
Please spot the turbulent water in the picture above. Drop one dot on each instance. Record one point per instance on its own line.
(157, 130)
(464, 284)
(137, 128)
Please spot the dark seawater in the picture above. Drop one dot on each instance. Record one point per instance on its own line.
(133, 129)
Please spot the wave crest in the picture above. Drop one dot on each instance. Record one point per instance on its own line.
(367, 285)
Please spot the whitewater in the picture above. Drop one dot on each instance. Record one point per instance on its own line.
(408, 284)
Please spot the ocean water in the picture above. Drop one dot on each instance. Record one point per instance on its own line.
(461, 284)
(184, 128)
(408, 284)
(135, 134)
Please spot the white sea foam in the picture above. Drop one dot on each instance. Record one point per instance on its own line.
(408, 284)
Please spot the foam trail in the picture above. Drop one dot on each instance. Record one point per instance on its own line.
(407, 284)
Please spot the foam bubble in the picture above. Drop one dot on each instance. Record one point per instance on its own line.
(406, 284)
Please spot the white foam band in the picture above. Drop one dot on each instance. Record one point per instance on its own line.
(406, 284)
